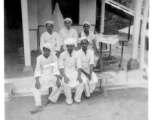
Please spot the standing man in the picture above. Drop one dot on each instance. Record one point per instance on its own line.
(68, 32)
(51, 37)
(46, 75)
(70, 69)
(87, 62)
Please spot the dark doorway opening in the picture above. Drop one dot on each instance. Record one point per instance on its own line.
(13, 35)
(69, 8)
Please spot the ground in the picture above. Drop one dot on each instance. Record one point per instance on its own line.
(125, 104)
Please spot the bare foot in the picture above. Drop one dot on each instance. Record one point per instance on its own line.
(36, 110)
(47, 102)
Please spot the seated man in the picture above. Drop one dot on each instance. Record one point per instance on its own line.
(89, 34)
(49, 36)
(87, 62)
(46, 75)
(67, 32)
(70, 69)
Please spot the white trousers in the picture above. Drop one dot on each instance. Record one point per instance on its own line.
(89, 86)
(88, 89)
(52, 97)
(78, 93)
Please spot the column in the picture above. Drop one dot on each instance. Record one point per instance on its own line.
(102, 16)
(27, 55)
(143, 35)
(133, 62)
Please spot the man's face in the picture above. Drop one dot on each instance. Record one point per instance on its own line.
(70, 48)
(67, 24)
(46, 52)
(84, 44)
(49, 27)
(86, 27)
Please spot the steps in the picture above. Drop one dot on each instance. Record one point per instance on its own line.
(8, 91)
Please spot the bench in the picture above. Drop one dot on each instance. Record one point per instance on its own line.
(101, 77)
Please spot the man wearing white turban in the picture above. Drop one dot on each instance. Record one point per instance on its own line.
(68, 32)
(46, 75)
(89, 34)
(49, 36)
(87, 62)
(70, 69)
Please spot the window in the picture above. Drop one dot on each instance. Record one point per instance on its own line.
(69, 8)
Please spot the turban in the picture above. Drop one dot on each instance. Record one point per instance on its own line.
(83, 38)
(49, 22)
(68, 19)
(48, 45)
(86, 22)
(69, 41)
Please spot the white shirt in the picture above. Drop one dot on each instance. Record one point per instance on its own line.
(86, 60)
(53, 39)
(46, 67)
(65, 33)
(91, 36)
(70, 66)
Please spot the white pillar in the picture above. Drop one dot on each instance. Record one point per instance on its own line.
(133, 62)
(143, 35)
(136, 28)
(102, 16)
(25, 23)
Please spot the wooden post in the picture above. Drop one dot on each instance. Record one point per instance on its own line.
(133, 62)
(27, 54)
(102, 16)
(143, 35)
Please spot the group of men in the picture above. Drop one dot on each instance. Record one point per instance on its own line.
(66, 62)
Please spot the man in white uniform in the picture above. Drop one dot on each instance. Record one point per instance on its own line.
(46, 75)
(87, 62)
(49, 36)
(70, 69)
(89, 34)
(68, 32)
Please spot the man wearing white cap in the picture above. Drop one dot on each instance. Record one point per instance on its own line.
(68, 32)
(87, 62)
(70, 69)
(89, 34)
(46, 75)
(49, 36)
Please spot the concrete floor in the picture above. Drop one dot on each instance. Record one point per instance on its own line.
(126, 104)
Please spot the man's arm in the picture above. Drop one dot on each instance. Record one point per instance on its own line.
(75, 37)
(37, 73)
(42, 41)
(78, 65)
(61, 68)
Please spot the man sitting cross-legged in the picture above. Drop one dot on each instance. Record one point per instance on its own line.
(46, 76)
(87, 63)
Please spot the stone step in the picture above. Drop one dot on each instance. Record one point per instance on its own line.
(8, 91)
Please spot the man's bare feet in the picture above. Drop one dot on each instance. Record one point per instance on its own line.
(47, 102)
(36, 110)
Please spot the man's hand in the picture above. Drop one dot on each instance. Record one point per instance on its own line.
(37, 84)
(58, 83)
(79, 79)
(58, 54)
(66, 79)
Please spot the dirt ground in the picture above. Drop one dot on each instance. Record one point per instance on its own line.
(125, 104)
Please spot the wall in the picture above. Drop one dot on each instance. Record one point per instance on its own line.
(33, 23)
(44, 11)
(39, 11)
(87, 11)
